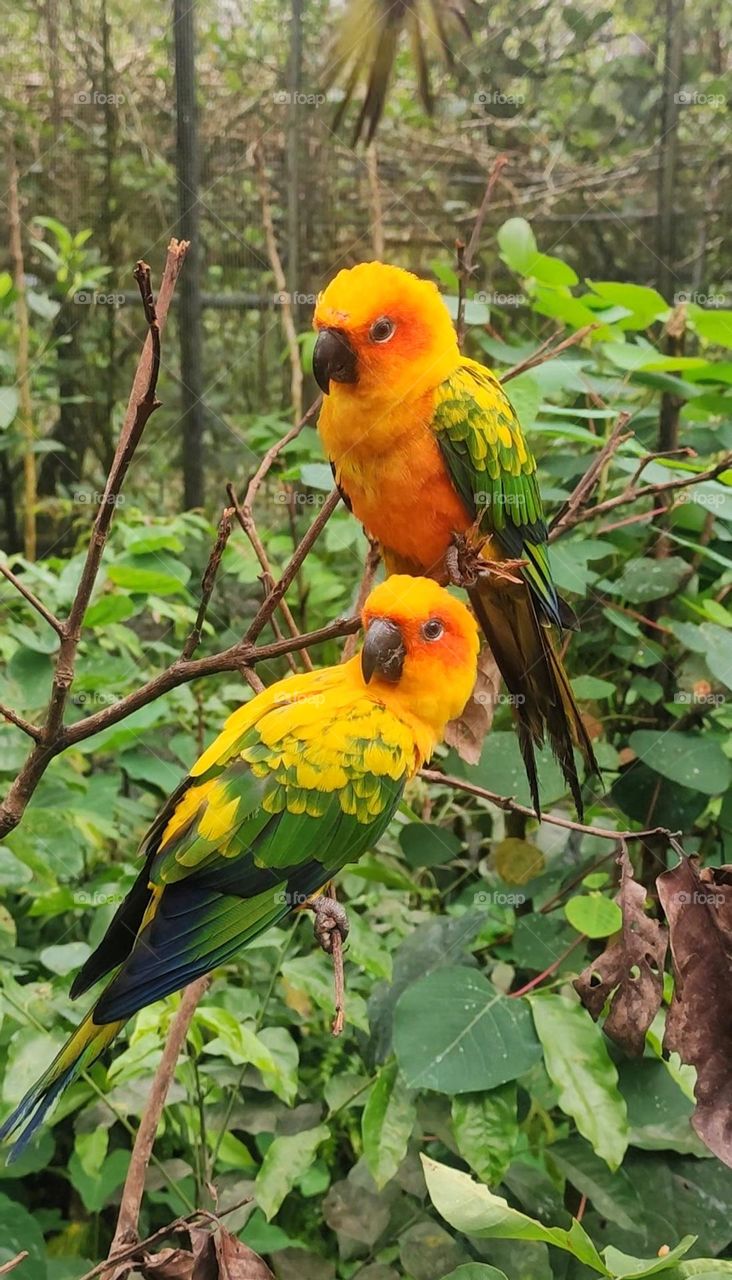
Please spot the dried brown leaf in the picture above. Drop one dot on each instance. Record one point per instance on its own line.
(698, 906)
(468, 731)
(237, 1261)
(629, 973)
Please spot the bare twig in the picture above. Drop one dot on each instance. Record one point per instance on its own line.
(586, 486)
(32, 730)
(135, 1251)
(339, 985)
(548, 350)
(466, 256)
(33, 600)
(512, 806)
(290, 573)
(246, 520)
(631, 494)
(367, 581)
(141, 404)
(208, 581)
(132, 1193)
(13, 1262)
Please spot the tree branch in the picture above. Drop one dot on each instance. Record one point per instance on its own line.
(33, 600)
(512, 806)
(134, 1188)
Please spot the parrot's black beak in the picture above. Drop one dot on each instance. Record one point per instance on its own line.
(334, 359)
(383, 651)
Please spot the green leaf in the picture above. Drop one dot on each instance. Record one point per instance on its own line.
(612, 1194)
(8, 406)
(475, 1211)
(715, 326)
(591, 687)
(649, 579)
(425, 844)
(21, 1232)
(455, 1033)
(578, 1063)
(593, 914)
(286, 1160)
(476, 1271)
(717, 645)
(109, 609)
(644, 304)
(486, 1130)
(517, 243)
(692, 760)
(146, 581)
(386, 1124)
(65, 957)
(624, 1266)
(96, 1189)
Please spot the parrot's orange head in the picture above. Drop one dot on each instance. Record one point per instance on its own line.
(420, 650)
(383, 334)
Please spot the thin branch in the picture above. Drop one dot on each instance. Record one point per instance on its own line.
(32, 730)
(33, 600)
(208, 582)
(591, 478)
(512, 806)
(547, 351)
(246, 520)
(290, 573)
(134, 1188)
(466, 256)
(550, 969)
(141, 404)
(649, 491)
(135, 1251)
(13, 1262)
(238, 657)
(373, 558)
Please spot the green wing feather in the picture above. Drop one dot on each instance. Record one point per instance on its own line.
(494, 472)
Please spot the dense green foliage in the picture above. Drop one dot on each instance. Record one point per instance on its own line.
(460, 905)
(465, 1043)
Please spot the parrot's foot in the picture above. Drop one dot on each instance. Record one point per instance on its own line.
(465, 565)
(330, 918)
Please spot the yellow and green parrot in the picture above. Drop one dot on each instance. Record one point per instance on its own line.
(426, 449)
(302, 780)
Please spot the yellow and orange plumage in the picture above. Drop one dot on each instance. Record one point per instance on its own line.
(425, 445)
(301, 780)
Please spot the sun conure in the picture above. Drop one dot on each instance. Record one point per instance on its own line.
(425, 446)
(303, 779)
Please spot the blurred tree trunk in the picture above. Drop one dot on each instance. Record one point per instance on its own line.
(294, 87)
(189, 311)
(22, 371)
(669, 148)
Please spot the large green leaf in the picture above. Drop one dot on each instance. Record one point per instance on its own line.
(286, 1160)
(386, 1124)
(486, 1130)
(475, 1211)
(694, 761)
(578, 1062)
(454, 1032)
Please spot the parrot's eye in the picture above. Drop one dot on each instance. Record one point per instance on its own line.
(382, 329)
(433, 629)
